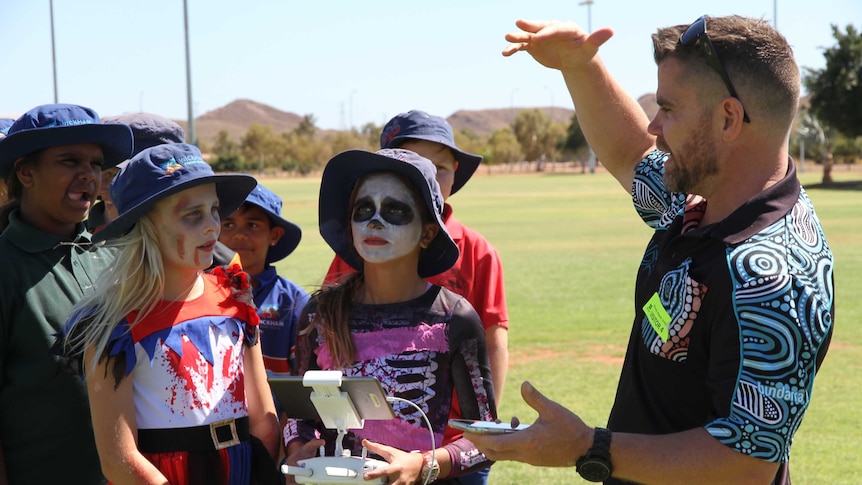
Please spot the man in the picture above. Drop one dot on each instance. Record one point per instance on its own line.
(734, 296)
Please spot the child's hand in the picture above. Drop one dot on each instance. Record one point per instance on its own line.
(404, 468)
(303, 452)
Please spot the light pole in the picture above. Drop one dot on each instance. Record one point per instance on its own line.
(589, 4)
(191, 134)
(351, 109)
(551, 92)
(512, 105)
(53, 51)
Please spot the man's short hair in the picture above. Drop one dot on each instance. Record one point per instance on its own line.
(757, 57)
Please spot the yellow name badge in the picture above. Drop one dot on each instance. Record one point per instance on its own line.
(657, 316)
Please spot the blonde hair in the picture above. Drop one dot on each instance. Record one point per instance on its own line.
(134, 281)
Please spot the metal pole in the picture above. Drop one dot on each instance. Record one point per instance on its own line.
(191, 132)
(512, 106)
(801, 154)
(53, 52)
(351, 109)
(589, 4)
(551, 91)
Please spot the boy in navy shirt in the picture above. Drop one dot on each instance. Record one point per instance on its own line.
(260, 236)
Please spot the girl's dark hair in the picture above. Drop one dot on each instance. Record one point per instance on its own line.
(14, 189)
(332, 318)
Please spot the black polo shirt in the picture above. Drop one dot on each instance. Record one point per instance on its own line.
(731, 319)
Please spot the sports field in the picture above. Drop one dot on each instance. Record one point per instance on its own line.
(571, 244)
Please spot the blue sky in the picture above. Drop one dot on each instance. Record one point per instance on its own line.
(347, 62)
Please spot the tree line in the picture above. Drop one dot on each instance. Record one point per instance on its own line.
(828, 130)
(534, 136)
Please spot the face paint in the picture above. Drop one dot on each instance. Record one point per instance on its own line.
(385, 222)
(392, 211)
(187, 226)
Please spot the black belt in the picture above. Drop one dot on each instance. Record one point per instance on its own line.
(215, 436)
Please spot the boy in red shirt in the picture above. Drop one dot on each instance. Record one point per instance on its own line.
(478, 273)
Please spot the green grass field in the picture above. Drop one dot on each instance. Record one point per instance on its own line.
(571, 244)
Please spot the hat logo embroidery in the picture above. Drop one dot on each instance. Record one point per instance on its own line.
(69, 123)
(170, 166)
(174, 164)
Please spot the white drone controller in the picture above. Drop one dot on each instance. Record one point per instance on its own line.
(333, 469)
(338, 412)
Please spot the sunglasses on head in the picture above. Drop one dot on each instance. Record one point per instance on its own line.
(697, 32)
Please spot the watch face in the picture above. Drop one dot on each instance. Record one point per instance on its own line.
(433, 474)
(594, 471)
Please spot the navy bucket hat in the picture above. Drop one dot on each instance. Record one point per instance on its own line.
(419, 125)
(5, 123)
(271, 204)
(149, 130)
(54, 125)
(336, 187)
(162, 171)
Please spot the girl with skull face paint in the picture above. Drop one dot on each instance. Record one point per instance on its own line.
(381, 213)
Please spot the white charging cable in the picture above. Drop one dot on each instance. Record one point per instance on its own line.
(392, 399)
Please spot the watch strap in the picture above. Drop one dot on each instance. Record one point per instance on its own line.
(601, 444)
(430, 468)
(595, 465)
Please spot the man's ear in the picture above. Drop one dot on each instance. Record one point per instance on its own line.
(275, 235)
(734, 113)
(429, 232)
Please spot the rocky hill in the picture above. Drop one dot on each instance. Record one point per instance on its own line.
(239, 115)
(487, 121)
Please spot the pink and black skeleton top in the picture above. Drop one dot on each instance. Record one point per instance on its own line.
(421, 350)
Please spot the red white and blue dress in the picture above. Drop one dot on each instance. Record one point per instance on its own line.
(186, 362)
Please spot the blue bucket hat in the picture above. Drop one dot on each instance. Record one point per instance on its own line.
(271, 204)
(419, 125)
(5, 123)
(336, 187)
(54, 125)
(149, 130)
(162, 171)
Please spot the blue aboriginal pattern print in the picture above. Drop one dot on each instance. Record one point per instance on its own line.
(682, 298)
(655, 205)
(783, 284)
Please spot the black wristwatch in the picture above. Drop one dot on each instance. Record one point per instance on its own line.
(595, 466)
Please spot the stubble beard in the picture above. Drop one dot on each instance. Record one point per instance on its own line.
(693, 162)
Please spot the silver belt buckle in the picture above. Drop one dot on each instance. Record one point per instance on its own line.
(231, 425)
